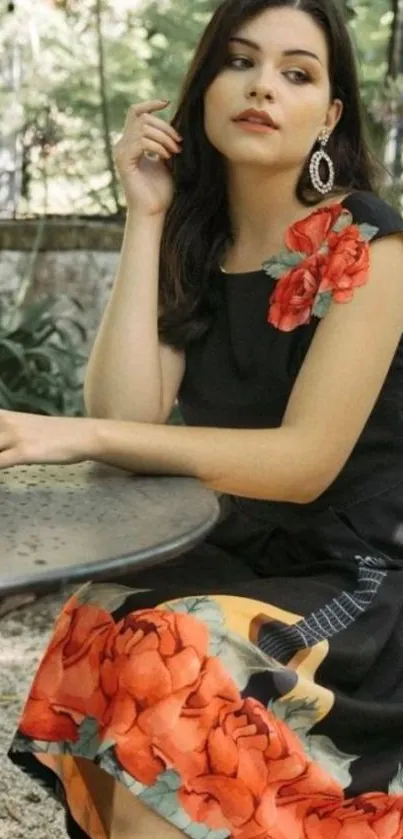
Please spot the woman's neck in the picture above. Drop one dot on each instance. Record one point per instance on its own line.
(261, 210)
(259, 205)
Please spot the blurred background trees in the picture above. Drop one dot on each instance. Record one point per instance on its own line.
(69, 69)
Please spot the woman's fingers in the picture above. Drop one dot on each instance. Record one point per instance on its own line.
(9, 453)
(149, 105)
(161, 137)
(138, 124)
(136, 111)
(154, 148)
(157, 122)
(151, 135)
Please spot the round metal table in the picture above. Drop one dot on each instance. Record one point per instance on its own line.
(61, 523)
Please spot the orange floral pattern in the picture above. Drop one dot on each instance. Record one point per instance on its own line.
(326, 257)
(369, 816)
(162, 702)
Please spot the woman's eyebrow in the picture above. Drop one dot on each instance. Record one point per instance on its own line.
(246, 42)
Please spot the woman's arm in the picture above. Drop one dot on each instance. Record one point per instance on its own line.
(330, 403)
(130, 375)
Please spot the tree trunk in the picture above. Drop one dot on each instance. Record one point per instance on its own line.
(10, 140)
(104, 106)
(394, 140)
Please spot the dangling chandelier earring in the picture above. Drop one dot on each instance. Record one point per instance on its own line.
(317, 158)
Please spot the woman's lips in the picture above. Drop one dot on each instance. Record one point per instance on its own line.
(260, 127)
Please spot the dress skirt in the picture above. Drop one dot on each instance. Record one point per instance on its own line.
(203, 690)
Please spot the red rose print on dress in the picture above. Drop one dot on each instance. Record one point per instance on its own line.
(291, 305)
(256, 768)
(374, 815)
(326, 257)
(165, 692)
(347, 265)
(163, 703)
(67, 687)
(147, 680)
(308, 235)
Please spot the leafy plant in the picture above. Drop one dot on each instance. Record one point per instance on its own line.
(40, 359)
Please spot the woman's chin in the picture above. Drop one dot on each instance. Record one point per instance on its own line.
(250, 158)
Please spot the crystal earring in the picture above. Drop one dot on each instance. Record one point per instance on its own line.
(319, 157)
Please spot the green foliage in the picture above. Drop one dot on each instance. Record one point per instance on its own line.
(40, 357)
(370, 28)
(52, 103)
(147, 48)
(173, 30)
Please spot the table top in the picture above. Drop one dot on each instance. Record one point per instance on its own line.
(61, 523)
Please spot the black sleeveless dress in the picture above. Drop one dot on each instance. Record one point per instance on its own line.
(255, 688)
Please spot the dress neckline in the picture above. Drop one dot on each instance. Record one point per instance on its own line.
(341, 203)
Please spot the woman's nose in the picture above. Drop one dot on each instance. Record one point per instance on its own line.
(263, 87)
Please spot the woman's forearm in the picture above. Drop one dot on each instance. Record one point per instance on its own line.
(269, 464)
(123, 378)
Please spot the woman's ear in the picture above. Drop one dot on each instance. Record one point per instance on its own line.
(334, 114)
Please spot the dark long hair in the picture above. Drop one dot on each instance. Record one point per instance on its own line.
(197, 225)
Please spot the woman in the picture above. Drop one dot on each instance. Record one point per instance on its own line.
(254, 688)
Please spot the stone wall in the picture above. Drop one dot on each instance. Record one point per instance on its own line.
(76, 256)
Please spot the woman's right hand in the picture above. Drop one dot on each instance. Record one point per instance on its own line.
(148, 184)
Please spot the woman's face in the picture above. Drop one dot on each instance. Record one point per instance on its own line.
(283, 71)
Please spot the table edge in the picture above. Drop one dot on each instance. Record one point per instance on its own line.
(145, 558)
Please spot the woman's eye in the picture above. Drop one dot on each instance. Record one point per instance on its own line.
(233, 58)
(239, 62)
(297, 76)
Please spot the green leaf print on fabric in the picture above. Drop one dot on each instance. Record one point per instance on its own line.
(300, 716)
(242, 659)
(276, 266)
(108, 597)
(344, 220)
(88, 743)
(207, 610)
(162, 797)
(321, 304)
(368, 231)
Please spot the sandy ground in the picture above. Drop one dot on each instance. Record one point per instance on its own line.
(25, 809)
